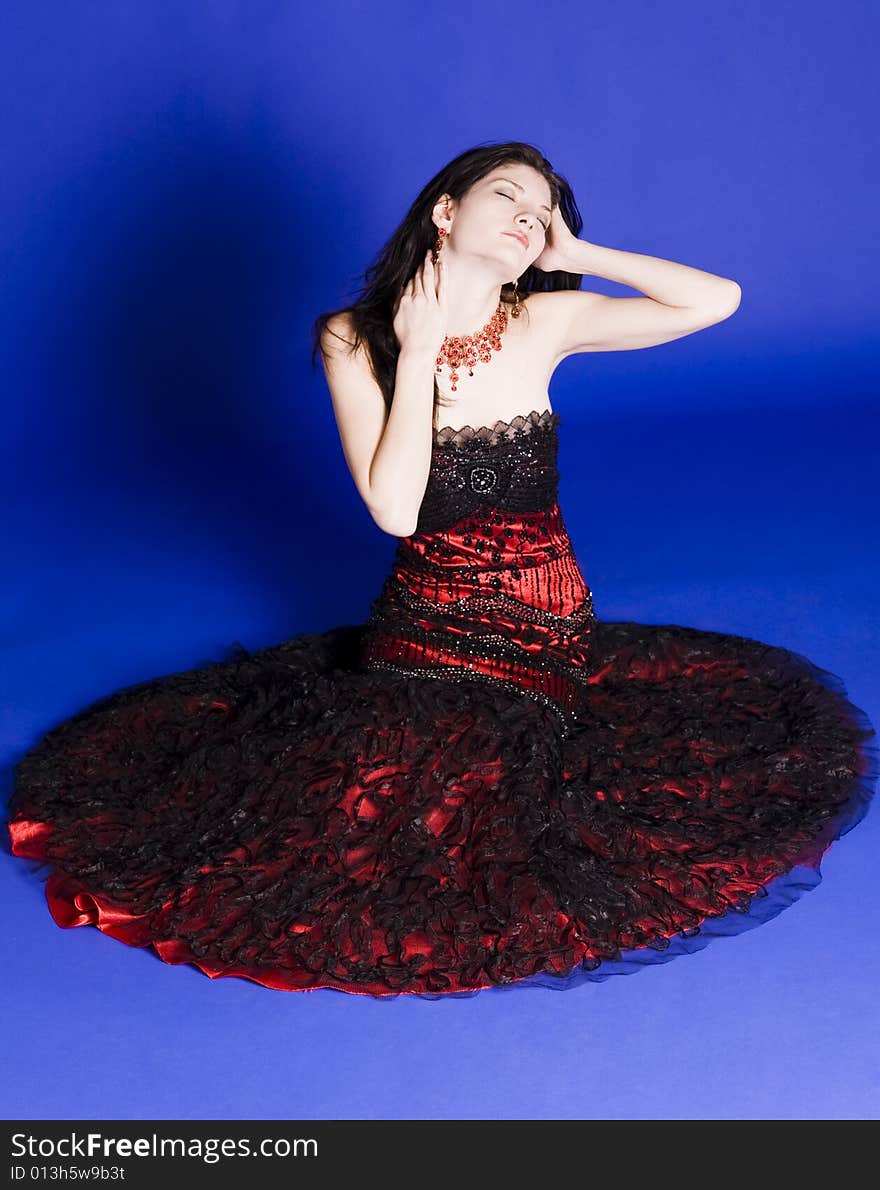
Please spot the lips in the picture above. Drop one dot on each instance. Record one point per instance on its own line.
(516, 236)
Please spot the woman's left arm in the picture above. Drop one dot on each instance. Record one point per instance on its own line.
(680, 299)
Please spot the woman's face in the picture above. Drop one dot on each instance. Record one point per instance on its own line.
(504, 216)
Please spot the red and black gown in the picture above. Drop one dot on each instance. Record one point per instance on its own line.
(483, 786)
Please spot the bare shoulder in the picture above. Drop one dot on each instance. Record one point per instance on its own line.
(338, 335)
(568, 321)
(544, 315)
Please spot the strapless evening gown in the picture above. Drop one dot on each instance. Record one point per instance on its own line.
(482, 786)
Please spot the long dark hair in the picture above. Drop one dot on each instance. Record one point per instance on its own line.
(372, 314)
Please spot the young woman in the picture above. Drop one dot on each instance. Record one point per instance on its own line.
(483, 785)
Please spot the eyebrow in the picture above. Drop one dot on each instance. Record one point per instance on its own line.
(544, 206)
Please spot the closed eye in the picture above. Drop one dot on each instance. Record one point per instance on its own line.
(545, 226)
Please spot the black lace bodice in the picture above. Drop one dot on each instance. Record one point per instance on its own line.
(509, 465)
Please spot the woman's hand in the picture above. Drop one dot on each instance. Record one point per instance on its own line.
(420, 318)
(557, 244)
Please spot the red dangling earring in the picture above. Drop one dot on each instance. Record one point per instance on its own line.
(517, 301)
(438, 243)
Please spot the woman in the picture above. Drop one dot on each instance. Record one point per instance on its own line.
(484, 785)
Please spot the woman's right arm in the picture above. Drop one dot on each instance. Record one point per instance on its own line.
(402, 461)
(389, 454)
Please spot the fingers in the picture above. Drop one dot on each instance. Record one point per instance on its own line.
(436, 273)
(425, 280)
(441, 281)
(426, 275)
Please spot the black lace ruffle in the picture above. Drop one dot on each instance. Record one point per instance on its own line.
(499, 430)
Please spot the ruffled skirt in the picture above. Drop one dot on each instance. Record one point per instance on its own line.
(287, 817)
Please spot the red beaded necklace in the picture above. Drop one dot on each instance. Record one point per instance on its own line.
(467, 350)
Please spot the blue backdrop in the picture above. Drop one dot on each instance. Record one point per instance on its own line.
(185, 187)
